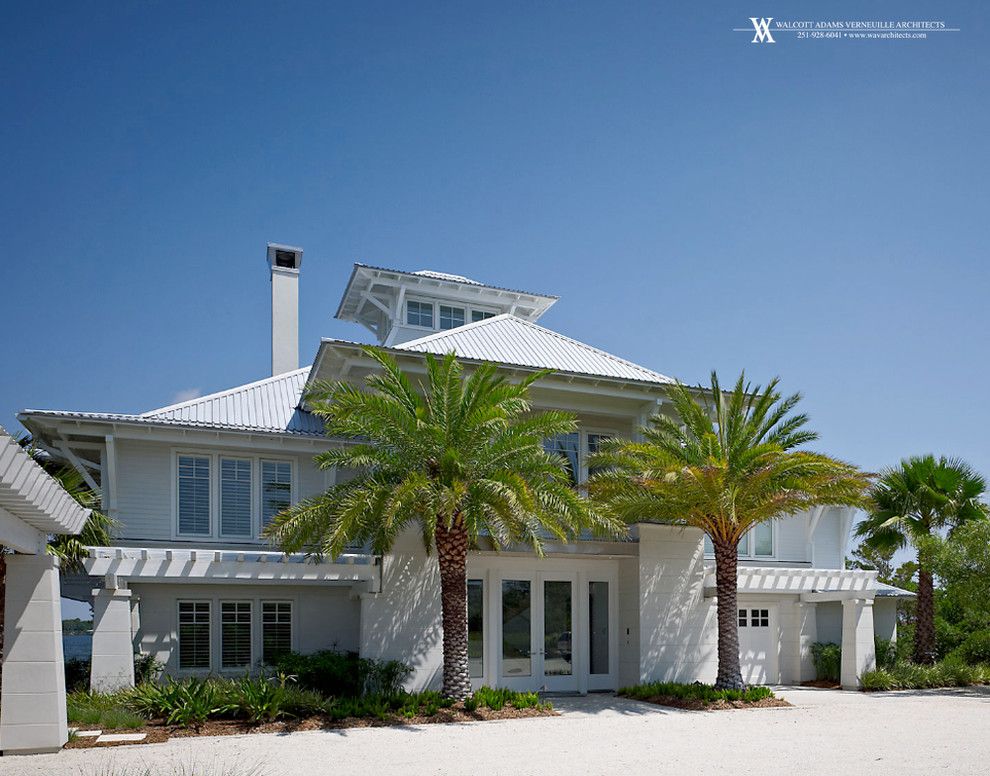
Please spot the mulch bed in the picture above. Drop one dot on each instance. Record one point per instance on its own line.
(157, 731)
(824, 684)
(693, 704)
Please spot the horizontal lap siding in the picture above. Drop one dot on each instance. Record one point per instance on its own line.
(145, 484)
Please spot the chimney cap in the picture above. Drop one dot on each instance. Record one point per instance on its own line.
(284, 257)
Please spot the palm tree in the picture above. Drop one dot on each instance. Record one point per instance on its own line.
(911, 503)
(460, 460)
(723, 465)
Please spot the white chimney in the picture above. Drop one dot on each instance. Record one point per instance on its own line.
(284, 262)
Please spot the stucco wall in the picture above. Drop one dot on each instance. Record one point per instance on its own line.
(885, 618)
(829, 616)
(402, 622)
(628, 622)
(324, 617)
(677, 639)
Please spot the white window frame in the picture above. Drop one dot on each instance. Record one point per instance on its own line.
(210, 639)
(251, 488)
(582, 468)
(465, 314)
(293, 624)
(419, 300)
(215, 455)
(491, 312)
(176, 533)
(251, 635)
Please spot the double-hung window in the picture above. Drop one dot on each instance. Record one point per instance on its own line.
(451, 317)
(276, 629)
(276, 489)
(194, 635)
(235, 634)
(194, 494)
(235, 497)
(419, 314)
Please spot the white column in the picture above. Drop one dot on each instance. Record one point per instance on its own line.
(32, 710)
(807, 626)
(858, 649)
(113, 648)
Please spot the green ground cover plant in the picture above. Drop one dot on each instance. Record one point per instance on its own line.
(912, 676)
(705, 694)
(190, 703)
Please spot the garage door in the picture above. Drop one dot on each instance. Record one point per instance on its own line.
(757, 644)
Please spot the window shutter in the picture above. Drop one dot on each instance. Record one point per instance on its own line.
(235, 497)
(276, 489)
(276, 629)
(194, 494)
(194, 634)
(235, 634)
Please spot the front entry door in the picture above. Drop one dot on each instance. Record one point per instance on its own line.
(537, 627)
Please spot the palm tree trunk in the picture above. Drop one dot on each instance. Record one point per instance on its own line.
(726, 560)
(452, 546)
(924, 629)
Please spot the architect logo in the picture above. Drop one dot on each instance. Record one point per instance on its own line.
(762, 27)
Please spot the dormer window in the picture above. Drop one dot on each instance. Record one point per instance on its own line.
(419, 314)
(481, 315)
(451, 317)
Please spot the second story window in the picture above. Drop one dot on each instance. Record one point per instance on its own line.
(757, 542)
(568, 446)
(451, 317)
(276, 489)
(419, 314)
(481, 315)
(235, 497)
(194, 494)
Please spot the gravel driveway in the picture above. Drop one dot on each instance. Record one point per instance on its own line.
(828, 732)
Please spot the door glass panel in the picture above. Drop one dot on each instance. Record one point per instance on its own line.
(598, 626)
(476, 627)
(517, 608)
(557, 653)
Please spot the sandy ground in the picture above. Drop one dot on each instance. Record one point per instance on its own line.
(827, 732)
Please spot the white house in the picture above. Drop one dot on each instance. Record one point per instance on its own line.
(193, 484)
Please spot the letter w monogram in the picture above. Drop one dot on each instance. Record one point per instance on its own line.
(762, 28)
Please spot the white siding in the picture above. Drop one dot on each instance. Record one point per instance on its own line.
(829, 617)
(828, 542)
(791, 539)
(145, 487)
(323, 617)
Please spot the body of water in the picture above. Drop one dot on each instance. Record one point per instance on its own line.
(78, 646)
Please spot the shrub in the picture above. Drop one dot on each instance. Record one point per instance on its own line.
(910, 676)
(77, 674)
(342, 674)
(147, 668)
(886, 652)
(975, 649)
(705, 693)
(828, 660)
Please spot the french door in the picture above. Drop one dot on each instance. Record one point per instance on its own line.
(538, 631)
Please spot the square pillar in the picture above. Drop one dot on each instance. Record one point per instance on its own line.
(32, 708)
(858, 648)
(807, 630)
(113, 646)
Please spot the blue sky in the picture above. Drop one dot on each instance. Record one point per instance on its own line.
(813, 209)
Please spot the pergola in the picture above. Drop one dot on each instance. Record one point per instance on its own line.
(32, 506)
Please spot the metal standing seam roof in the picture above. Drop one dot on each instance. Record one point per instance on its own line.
(31, 494)
(509, 340)
(269, 405)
